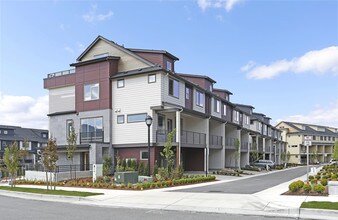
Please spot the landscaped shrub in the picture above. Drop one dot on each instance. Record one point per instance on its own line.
(307, 188)
(300, 184)
(323, 182)
(122, 185)
(318, 177)
(319, 188)
(314, 181)
(163, 174)
(328, 175)
(129, 185)
(311, 177)
(294, 186)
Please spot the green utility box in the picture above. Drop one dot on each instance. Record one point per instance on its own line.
(126, 177)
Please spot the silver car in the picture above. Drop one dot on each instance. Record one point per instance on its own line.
(264, 163)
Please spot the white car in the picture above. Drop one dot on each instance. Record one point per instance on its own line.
(332, 161)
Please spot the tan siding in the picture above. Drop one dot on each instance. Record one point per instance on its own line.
(126, 62)
(62, 99)
(137, 96)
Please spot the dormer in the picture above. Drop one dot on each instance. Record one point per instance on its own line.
(246, 108)
(223, 93)
(203, 81)
(160, 57)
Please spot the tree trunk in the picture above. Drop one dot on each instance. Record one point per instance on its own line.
(47, 179)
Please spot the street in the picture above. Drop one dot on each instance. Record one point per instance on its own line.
(14, 208)
(251, 185)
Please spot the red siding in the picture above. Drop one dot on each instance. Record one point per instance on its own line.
(202, 82)
(134, 152)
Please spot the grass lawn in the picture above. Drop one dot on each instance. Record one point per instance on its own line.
(49, 192)
(320, 205)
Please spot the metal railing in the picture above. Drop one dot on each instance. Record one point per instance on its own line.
(61, 168)
(195, 138)
(61, 73)
(230, 143)
(244, 146)
(92, 137)
(215, 140)
(162, 136)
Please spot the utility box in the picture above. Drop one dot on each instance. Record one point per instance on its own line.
(97, 171)
(126, 177)
(144, 179)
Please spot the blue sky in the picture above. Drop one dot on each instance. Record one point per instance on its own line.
(279, 56)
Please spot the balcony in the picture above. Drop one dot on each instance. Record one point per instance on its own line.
(215, 141)
(187, 137)
(61, 73)
(244, 146)
(230, 143)
(92, 137)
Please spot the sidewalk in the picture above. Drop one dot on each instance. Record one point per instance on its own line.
(266, 203)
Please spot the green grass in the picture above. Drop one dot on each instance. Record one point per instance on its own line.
(49, 192)
(320, 205)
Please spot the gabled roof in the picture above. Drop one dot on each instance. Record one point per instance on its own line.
(244, 108)
(308, 130)
(196, 76)
(153, 51)
(21, 134)
(222, 90)
(113, 44)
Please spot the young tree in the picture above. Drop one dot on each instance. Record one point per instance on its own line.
(11, 159)
(255, 155)
(24, 150)
(335, 152)
(283, 156)
(49, 158)
(288, 156)
(71, 148)
(107, 165)
(168, 152)
(238, 152)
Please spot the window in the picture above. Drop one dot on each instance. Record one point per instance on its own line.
(224, 110)
(216, 105)
(136, 118)
(187, 93)
(210, 88)
(199, 98)
(324, 138)
(5, 132)
(69, 126)
(44, 135)
(333, 139)
(294, 146)
(91, 130)
(173, 87)
(169, 66)
(120, 119)
(120, 83)
(160, 121)
(314, 138)
(247, 120)
(236, 115)
(91, 92)
(143, 155)
(100, 55)
(321, 138)
(329, 138)
(152, 78)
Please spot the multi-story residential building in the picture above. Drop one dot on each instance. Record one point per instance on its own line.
(322, 144)
(111, 89)
(35, 138)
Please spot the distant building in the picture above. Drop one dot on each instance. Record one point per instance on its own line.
(36, 138)
(323, 139)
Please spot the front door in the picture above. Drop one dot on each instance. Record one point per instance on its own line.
(169, 125)
(84, 161)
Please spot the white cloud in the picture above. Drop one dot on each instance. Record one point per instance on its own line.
(69, 49)
(92, 16)
(327, 116)
(317, 61)
(226, 4)
(24, 111)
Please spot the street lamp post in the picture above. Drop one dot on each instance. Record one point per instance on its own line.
(149, 121)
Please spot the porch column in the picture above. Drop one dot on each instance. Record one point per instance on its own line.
(206, 156)
(223, 145)
(240, 147)
(178, 136)
(263, 148)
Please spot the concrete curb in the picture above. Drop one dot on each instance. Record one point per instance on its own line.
(318, 214)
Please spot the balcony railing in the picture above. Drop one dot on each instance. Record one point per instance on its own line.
(215, 140)
(244, 146)
(230, 143)
(61, 73)
(187, 137)
(92, 137)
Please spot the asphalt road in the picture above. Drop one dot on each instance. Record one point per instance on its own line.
(14, 208)
(251, 185)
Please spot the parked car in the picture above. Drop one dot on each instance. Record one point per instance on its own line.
(332, 162)
(264, 163)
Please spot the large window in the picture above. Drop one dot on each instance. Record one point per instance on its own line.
(136, 118)
(199, 98)
(91, 92)
(173, 88)
(217, 104)
(143, 155)
(224, 110)
(91, 130)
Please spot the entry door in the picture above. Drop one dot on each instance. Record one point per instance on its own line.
(84, 160)
(169, 125)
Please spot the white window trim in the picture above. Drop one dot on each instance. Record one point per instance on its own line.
(149, 77)
(117, 119)
(142, 151)
(91, 87)
(224, 109)
(199, 94)
(169, 66)
(120, 86)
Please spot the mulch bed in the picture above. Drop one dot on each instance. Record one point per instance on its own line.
(302, 193)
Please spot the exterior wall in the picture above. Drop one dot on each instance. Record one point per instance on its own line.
(62, 99)
(193, 159)
(63, 159)
(157, 58)
(215, 159)
(126, 62)
(137, 96)
(57, 124)
(213, 110)
(180, 101)
(294, 151)
(134, 152)
(228, 115)
(194, 124)
(202, 82)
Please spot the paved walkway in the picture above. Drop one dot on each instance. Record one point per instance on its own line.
(268, 202)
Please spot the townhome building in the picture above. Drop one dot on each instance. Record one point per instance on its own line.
(110, 91)
(322, 144)
(35, 139)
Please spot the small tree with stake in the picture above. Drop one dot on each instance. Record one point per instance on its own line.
(335, 153)
(11, 159)
(49, 158)
(168, 152)
(71, 148)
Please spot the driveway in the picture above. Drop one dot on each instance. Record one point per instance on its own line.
(250, 185)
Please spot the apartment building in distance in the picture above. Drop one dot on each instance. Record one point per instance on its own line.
(36, 138)
(110, 91)
(323, 139)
